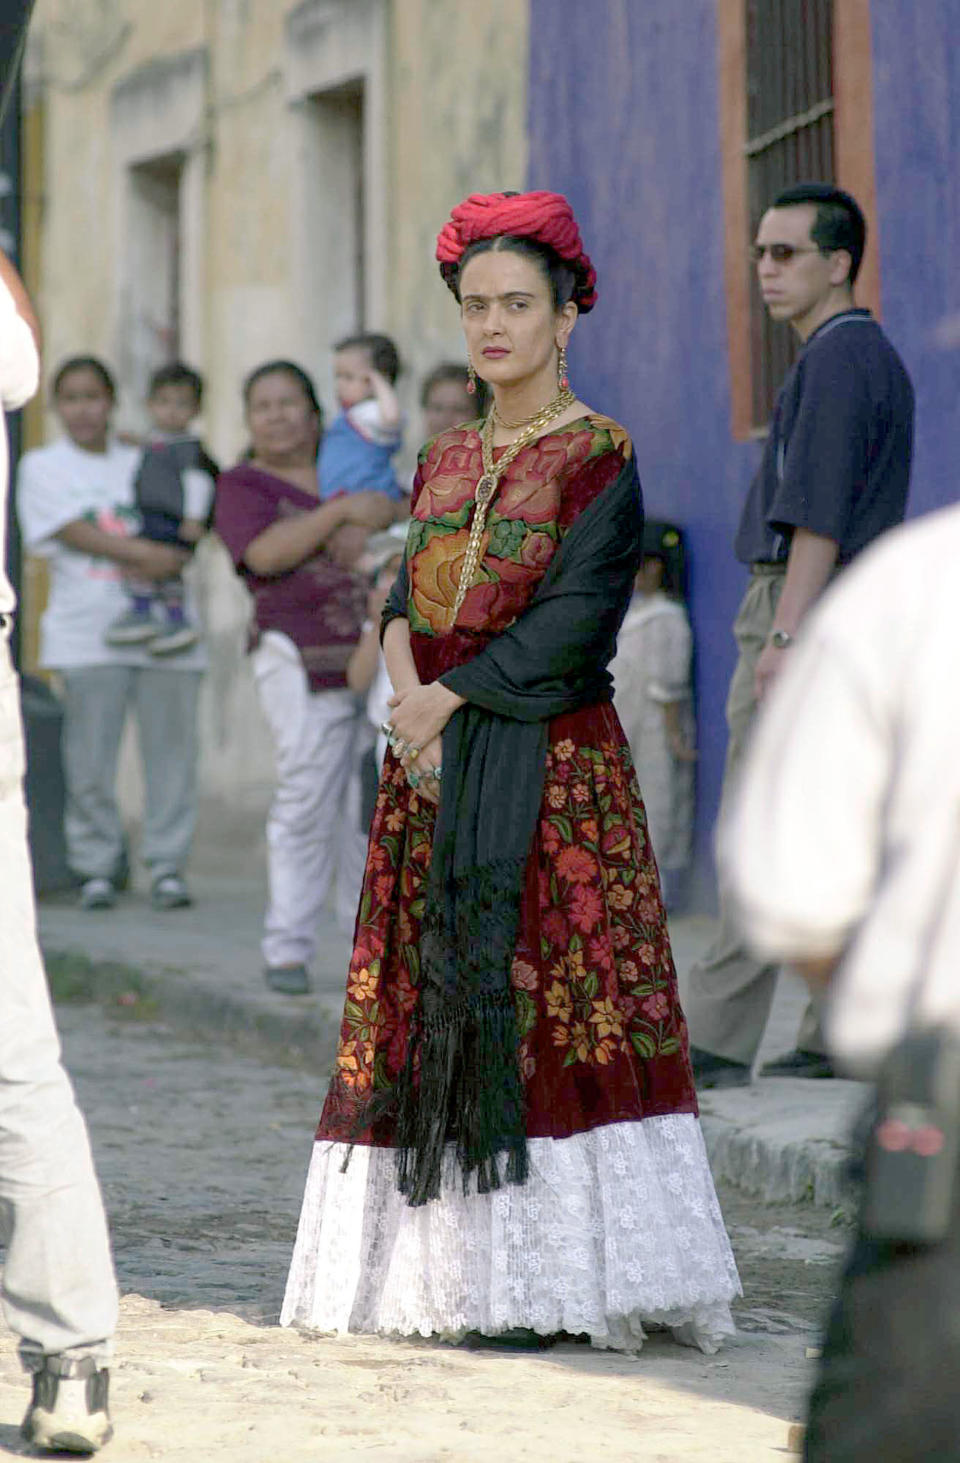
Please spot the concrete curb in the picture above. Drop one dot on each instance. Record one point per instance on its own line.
(759, 1139)
(304, 1035)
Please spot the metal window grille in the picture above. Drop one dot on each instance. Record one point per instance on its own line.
(789, 140)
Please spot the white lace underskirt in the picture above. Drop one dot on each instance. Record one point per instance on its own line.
(615, 1229)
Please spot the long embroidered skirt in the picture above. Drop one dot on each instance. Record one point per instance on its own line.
(618, 1224)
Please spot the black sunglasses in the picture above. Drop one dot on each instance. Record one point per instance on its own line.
(781, 253)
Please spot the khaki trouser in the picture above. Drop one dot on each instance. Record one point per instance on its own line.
(57, 1290)
(730, 992)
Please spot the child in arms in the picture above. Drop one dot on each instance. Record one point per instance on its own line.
(357, 447)
(174, 495)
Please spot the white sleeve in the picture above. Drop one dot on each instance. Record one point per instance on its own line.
(798, 849)
(46, 501)
(378, 697)
(198, 490)
(671, 646)
(367, 419)
(19, 358)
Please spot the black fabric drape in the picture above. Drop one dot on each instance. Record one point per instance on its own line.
(461, 1081)
(395, 607)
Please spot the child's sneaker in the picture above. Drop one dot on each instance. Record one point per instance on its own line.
(68, 1413)
(174, 638)
(136, 627)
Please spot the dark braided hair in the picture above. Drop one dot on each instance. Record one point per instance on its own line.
(560, 276)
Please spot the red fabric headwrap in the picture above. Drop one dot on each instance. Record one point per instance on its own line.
(546, 217)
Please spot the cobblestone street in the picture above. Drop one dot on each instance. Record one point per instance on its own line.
(202, 1154)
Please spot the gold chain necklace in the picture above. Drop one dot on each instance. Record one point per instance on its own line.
(490, 481)
(526, 421)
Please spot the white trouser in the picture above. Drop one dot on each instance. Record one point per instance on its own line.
(58, 1289)
(313, 829)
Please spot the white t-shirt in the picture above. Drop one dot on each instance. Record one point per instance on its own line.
(55, 486)
(378, 699)
(19, 375)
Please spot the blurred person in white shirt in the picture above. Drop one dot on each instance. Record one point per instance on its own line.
(841, 856)
(58, 1290)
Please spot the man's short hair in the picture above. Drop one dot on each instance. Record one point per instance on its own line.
(839, 223)
(175, 373)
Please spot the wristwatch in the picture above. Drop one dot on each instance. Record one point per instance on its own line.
(780, 639)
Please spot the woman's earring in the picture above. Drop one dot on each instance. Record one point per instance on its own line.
(562, 370)
(471, 379)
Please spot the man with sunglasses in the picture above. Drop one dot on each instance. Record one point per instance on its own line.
(833, 476)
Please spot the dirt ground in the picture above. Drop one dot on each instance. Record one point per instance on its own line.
(202, 1153)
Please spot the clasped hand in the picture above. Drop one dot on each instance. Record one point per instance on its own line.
(418, 716)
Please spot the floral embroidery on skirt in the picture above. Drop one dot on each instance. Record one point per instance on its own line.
(603, 1038)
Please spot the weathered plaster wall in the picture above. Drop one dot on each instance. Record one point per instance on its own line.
(458, 77)
(231, 85)
(118, 83)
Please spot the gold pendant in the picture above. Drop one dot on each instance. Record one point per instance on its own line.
(486, 488)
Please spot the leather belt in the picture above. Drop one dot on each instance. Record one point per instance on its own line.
(768, 566)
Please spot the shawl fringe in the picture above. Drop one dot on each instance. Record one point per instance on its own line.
(461, 1083)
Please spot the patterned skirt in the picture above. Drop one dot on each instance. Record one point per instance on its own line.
(618, 1224)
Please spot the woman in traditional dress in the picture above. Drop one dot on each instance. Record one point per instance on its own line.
(510, 1140)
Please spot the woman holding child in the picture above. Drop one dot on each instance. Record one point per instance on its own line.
(77, 503)
(294, 553)
(510, 1144)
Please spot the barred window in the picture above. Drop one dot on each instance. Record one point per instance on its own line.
(789, 66)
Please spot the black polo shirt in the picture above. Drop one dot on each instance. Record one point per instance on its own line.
(837, 458)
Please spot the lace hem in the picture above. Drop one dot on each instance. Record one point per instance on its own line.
(615, 1229)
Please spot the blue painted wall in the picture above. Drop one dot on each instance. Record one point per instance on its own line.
(916, 64)
(624, 120)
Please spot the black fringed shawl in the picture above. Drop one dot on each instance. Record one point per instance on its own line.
(461, 1082)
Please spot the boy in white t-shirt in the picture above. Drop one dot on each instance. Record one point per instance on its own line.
(358, 447)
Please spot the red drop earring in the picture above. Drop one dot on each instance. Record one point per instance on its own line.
(562, 370)
(471, 379)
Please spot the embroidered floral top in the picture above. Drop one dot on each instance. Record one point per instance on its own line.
(541, 494)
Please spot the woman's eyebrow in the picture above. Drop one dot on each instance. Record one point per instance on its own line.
(508, 295)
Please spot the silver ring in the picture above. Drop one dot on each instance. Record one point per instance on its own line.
(435, 773)
(387, 729)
